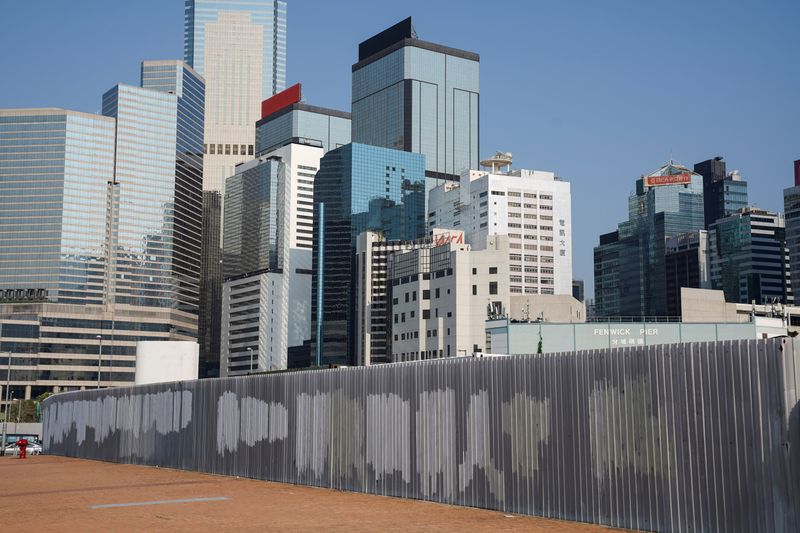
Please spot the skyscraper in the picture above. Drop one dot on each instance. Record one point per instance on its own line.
(100, 231)
(361, 188)
(266, 296)
(791, 204)
(286, 119)
(630, 265)
(723, 193)
(417, 96)
(159, 165)
(749, 258)
(240, 48)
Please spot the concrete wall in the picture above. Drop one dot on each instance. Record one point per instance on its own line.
(690, 437)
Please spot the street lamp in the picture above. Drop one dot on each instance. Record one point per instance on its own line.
(8, 405)
(99, 358)
(250, 349)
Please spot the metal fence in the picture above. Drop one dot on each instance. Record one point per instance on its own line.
(683, 437)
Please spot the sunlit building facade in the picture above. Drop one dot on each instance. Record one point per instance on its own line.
(363, 188)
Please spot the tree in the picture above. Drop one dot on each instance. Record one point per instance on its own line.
(23, 411)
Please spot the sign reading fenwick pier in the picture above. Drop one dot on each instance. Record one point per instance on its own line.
(627, 336)
(670, 179)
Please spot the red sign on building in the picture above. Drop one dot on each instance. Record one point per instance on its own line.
(672, 179)
(281, 100)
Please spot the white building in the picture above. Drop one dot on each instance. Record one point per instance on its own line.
(441, 296)
(268, 227)
(531, 207)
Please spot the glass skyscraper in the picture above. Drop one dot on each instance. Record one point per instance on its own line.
(56, 181)
(749, 258)
(362, 188)
(791, 204)
(417, 96)
(723, 193)
(159, 171)
(630, 265)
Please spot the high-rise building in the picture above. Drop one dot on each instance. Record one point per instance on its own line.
(417, 96)
(266, 295)
(286, 119)
(791, 204)
(749, 258)
(723, 193)
(358, 188)
(687, 265)
(240, 48)
(110, 248)
(630, 266)
(532, 207)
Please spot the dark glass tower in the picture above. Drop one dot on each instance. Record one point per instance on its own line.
(723, 194)
(418, 96)
(362, 188)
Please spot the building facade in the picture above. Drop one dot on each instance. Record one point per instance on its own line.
(630, 265)
(416, 96)
(791, 204)
(687, 266)
(749, 258)
(240, 48)
(531, 207)
(110, 248)
(723, 193)
(268, 226)
(358, 188)
(286, 119)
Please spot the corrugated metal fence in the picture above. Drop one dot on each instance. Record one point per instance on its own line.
(685, 437)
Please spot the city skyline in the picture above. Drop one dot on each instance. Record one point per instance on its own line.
(588, 126)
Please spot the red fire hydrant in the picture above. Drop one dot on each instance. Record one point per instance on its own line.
(22, 444)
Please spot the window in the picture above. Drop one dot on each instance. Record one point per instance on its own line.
(515, 268)
(514, 194)
(516, 279)
(474, 290)
(498, 193)
(474, 271)
(492, 270)
(395, 318)
(227, 149)
(250, 150)
(414, 296)
(437, 292)
(402, 317)
(412, 314)
(235, 149)
(394, 301)
(492, 287)
(219, 149)
(407, 295)
(426, 313)
(426, 295)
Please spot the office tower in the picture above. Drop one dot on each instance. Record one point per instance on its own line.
(749, 258)
(358, 188)
(606, 277)
(630, 267)
(578, 291)
(532, 207)
(99, 231)
(240, 48)
(286, 119)
(413, 95)
(723, 193)
(791, 204)
(686, 266)
(266, 295)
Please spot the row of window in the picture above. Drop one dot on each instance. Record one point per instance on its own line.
(228, 149)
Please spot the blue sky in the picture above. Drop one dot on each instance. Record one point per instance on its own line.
(598, 91)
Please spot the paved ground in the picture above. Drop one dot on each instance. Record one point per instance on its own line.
(61, 494)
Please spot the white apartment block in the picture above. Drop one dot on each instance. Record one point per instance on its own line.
(531, 207)
(266, 305)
